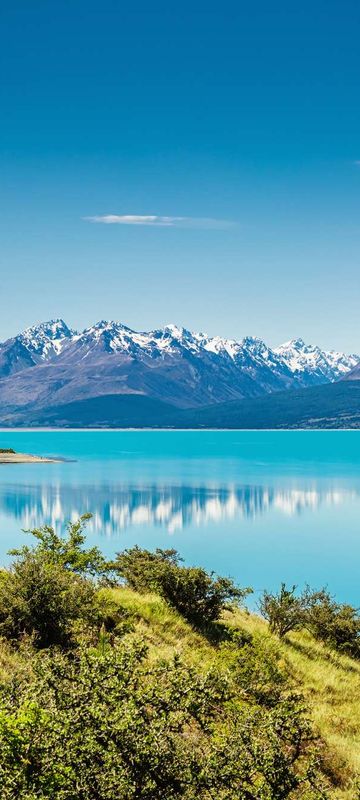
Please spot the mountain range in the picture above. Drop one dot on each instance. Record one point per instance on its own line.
(50, 372)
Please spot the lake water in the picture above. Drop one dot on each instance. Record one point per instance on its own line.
(263, 507)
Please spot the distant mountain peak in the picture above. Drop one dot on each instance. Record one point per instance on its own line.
(250, 340)
(321, 365)
(170, 364)
(46, 338)
(175, 330)
(255, 344)
(107, 325)
(298, 344)
(52, 327)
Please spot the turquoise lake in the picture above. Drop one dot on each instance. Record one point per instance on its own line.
(263, 507)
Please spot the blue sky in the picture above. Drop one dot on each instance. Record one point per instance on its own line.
(239, 122)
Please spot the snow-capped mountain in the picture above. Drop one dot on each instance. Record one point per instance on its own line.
(300, 359)
(353, 375)
(35, 344)
(319, 365)
(52, 365)
(292, 363)
(46, 339)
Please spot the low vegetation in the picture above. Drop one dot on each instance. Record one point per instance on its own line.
(195, 594)
(336, 624)
(145, 679)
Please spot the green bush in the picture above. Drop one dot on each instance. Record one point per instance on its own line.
(196, 594)
(141, 569)
(66, 551)
(46, 593)
(105, 724)
(43, 600)
(336, 624)
(285, 611)
(254, 666)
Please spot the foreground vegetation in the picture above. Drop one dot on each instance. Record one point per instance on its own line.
(148, 679)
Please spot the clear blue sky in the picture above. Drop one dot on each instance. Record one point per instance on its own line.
(243, 112)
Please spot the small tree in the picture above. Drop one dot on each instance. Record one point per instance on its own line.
(285, 611)
(142, 569)
(66, 551)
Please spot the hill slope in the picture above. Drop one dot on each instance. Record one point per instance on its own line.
(328, 681)
(334, 405)
(108, 411)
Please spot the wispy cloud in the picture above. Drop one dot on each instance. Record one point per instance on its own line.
(154, 221)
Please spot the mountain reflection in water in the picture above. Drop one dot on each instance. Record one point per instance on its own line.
(118, 507)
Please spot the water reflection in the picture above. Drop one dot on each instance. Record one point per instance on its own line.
(118, 507)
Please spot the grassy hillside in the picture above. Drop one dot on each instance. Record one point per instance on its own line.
(114, 690)
(329, 681)
(331, 686)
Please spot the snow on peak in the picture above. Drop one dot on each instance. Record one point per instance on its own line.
(176, 331)
(293, 357)
(53, 328)
(293, 344)
(292, 361)
(301, 357)
(46, 338)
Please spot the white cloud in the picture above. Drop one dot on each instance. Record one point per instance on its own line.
(154, 221)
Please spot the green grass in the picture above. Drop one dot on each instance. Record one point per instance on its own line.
(329, 682)
(165, 631)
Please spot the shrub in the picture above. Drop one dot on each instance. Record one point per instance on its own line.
(142, 569)
(196, 594)
(254, 667)
(337, 624)
(107, 724)
(284, 611)
(46, 592)
(42, 599)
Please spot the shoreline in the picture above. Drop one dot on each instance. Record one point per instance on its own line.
(25, 458)
(170, 430)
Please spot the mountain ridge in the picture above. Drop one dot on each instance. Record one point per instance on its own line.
(51, 365)
(49, 339)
